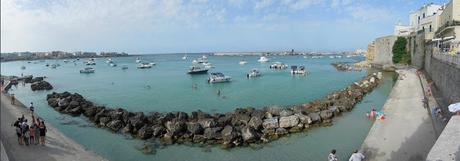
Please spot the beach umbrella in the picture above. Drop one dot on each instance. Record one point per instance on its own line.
(454, 107)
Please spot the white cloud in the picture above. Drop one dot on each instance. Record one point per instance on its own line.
(261, 4)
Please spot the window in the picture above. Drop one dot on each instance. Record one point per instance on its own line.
(430, 28)
(423, 15)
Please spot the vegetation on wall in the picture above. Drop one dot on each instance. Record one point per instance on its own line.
(400, 54)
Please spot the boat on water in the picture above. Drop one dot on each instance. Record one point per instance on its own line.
(138, 60)
(298, 70)
(305, 57)
(219, 78)
(197, 70)
(184, 57)
(332, 57)
(23, 67)
(113, 64)
(109, 61)
(144, 66)
(263, 59)
(253, 73)
(91, 62)
(278, 65)
(87, 70)
(338, 56)
(124, 67)
(66, 61)
(242, 62)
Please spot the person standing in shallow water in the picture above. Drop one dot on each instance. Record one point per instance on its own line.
(332, 156)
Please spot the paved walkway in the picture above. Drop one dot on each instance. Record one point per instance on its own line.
(407, 132)
(58, 147)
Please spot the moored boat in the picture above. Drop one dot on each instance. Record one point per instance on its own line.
(242, 62)
(144, 65)
(218, 78)
(113, 64)
(298, 70)
(91, 62)
(124, 67)
(87, 70)
(197, 70)
(138, 60)
(263, 59)
(278, 65)
(253, 73)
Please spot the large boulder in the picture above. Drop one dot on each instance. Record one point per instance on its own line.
(255, 122)
(73, 104)
(41, 85)
(212, 133)
(249, 134)
(207, 123)
(285, 113)
(326, 114)
(63, 102)
(53, 102)
(303, 118)
(240, 119)
(289, 121)
(228, 134)
(175, 127)
(194, 128)
(144, 133)
(314, 117)
(158, 130)
(281, 131)
(115, 125)
(271, 123)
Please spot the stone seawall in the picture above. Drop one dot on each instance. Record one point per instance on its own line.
(241, 127)
(446, 78)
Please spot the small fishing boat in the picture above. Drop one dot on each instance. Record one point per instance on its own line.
(109, 61)
(332, 57)
(54, 66)
(138, 60)
(113, 64)
(263, 59)
(298, 70)
(197, 70)
(87, 70)
(218, 78)
(66, 61)
(253, 73)
(278, 65)
(242, 62)
(144, 66)
(184, 57)
(124, 67)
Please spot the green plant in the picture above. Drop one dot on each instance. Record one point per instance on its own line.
(400, 54)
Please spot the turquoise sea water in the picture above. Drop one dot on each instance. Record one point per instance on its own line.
(171, 90)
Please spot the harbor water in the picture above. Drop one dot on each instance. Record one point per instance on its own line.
(167, 87)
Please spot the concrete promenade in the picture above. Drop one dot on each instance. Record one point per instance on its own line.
(58, 147)
(407, 133)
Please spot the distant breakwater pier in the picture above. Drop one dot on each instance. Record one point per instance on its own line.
(241, 127)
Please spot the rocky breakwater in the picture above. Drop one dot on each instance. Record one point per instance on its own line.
(346, 66)
(37, 83)
(241, 127)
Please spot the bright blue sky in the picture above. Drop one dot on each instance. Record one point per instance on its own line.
(168, 26)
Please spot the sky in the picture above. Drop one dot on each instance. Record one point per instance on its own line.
(180, 26)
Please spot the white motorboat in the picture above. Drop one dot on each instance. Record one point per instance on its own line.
(253, 73)
(298, 70)
(91, 62)
(218, 78)
(278, 65)
(87, 70)
(66, 61)
(184, 57)
(263, 59)
(338, 56)
(144, 65)
(124, 67)
(332, 57)
(138, 60)
(109, 61)
(305, 57)
(242, 62)
(113, 64)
